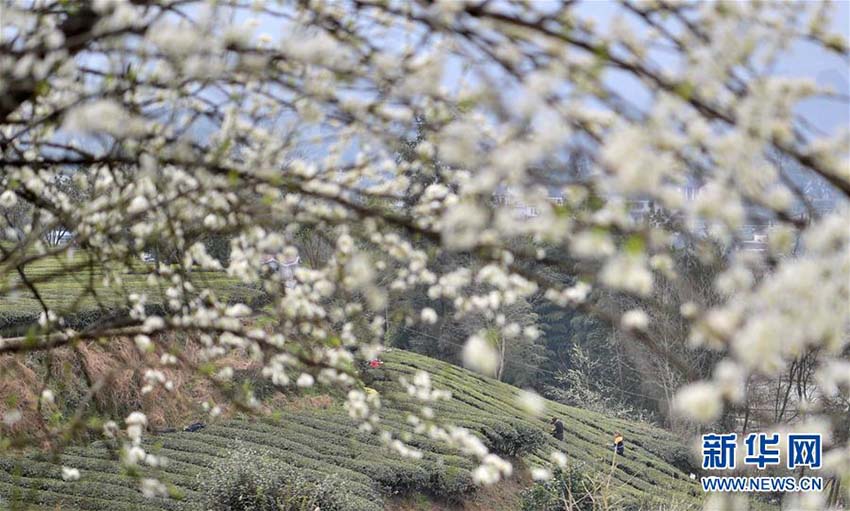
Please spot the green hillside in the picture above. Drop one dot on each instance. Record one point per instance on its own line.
(76, 286)
(318, 443)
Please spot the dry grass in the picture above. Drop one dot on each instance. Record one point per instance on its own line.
(300, 403)
(117, 368)
(19, 389)
(121, 365)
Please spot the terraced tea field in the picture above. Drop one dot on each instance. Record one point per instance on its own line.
(652, 456)
(70, 283)
(323, 442)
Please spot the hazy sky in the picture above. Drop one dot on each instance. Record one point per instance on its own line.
(802, 60)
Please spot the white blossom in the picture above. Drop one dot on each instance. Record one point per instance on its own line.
(12, 417)
(429, 316)
(70, 474)
(134, 455)
(491, 470)
(139, 204)
(103, 116)
(730, 379)
(305, 380)
(143, 343)
(699, 401)
(47, 397)
(136, 423)
(110, 429)
(462, 226)
(8, 199)
(558, 458)
(635, 319)
(629, 273)
(480, 356)
(540, 474)
(153, 488)
(176, 154)
(531, 402)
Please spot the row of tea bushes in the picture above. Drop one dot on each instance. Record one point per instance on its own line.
(656, 463)
(351, 467)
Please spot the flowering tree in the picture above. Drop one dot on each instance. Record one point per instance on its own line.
(257, 121)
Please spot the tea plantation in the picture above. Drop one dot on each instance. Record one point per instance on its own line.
(79, 289)
(324, 446)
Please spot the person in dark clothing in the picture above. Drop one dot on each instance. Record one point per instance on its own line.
(619, 447)
(557, 428)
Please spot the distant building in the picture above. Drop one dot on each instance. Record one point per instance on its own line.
(753, 238)
(820, 196)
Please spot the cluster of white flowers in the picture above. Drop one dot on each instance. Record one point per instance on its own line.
(557, 458)
(629, 273)
(635, 319)
(70, 474)
(362, 407)
(154, 377)
(421, 388)
(47, 397)
(153, 488)
(572, 295)
(133, 453)
(491, 470)
(700, 401)
(541, 474)
(480, 355)
(136, 424)
(531, 402)
(429, 316)
(777, 319)
(400, 447)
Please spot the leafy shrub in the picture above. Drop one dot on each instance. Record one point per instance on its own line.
(670, 451)
(512, 438)
(249, 479)
(252, 378)
(36, 482)
(13, 323)
(16, 322)
(449, 483)
(218, 246)
(571, 489)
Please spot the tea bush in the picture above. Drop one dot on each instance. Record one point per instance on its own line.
(513, 439)
(569, 489)
(248, 479)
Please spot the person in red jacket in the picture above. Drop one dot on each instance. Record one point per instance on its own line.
(375, 363)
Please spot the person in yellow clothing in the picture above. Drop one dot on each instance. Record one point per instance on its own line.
(619, 447)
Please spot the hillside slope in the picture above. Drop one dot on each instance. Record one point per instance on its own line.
(654, 468)
(321, 442)
(78, 287)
